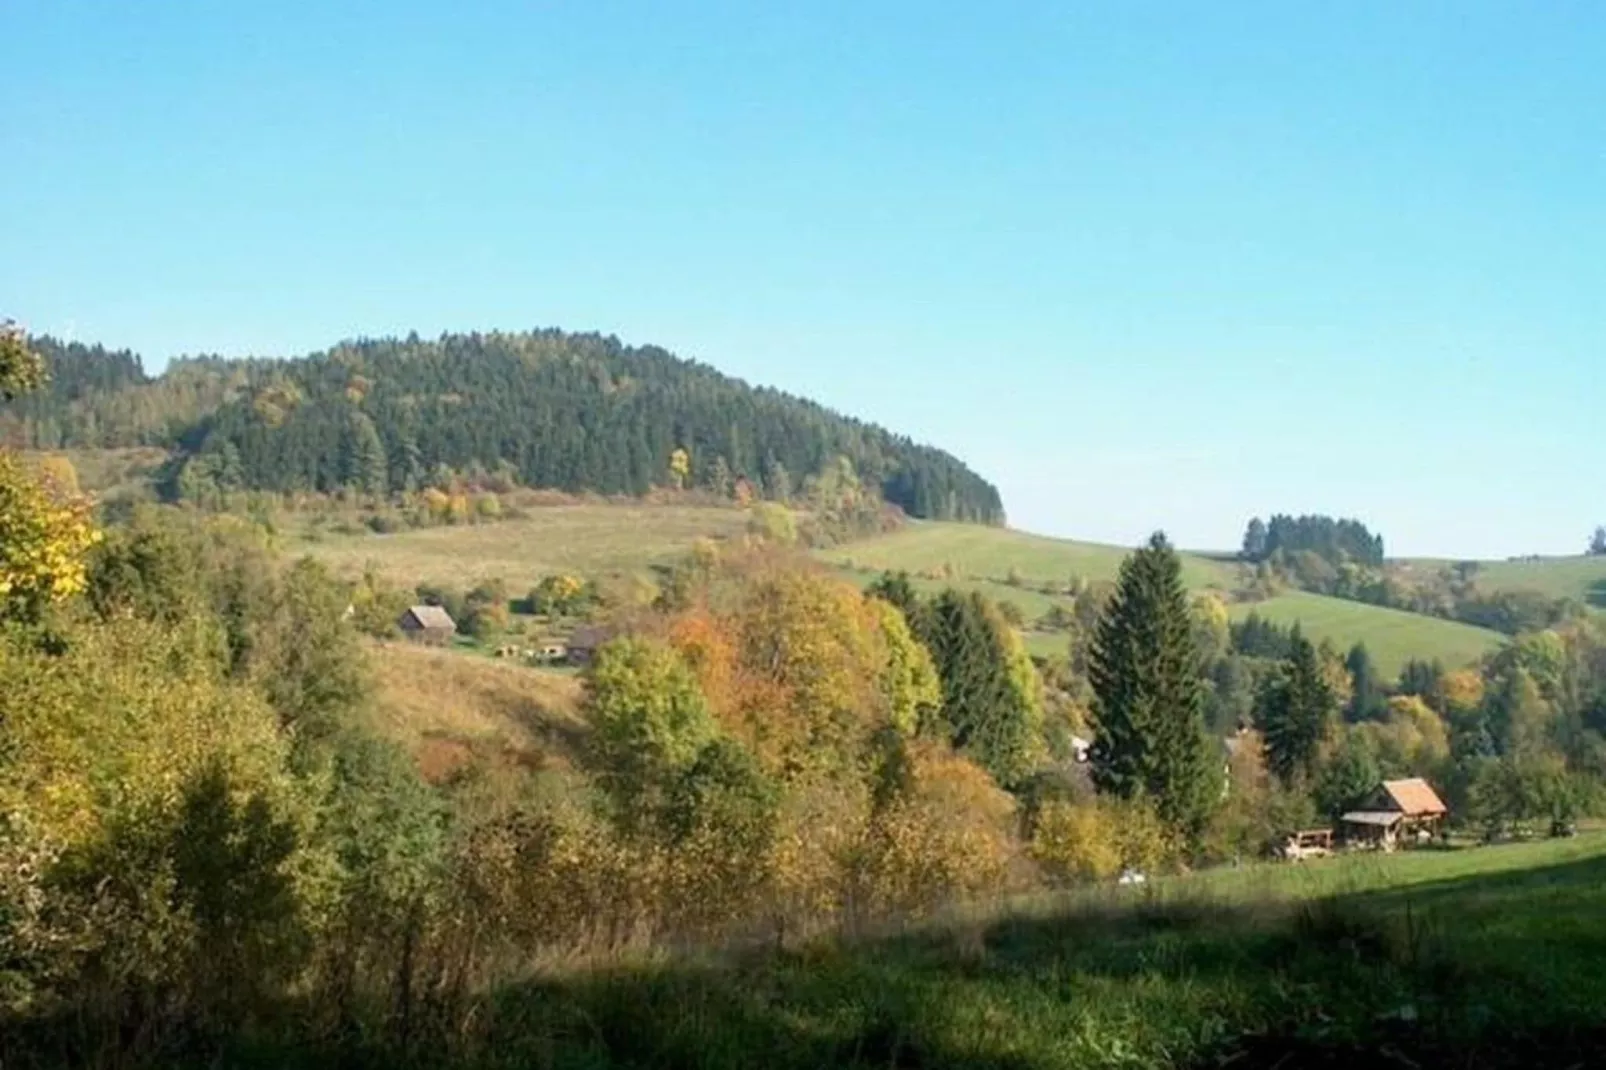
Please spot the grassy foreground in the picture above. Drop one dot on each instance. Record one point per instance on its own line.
(1478, 958)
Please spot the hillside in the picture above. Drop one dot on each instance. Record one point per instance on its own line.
(586, 540)
(994, 553)
(1581, 578)
(575, 412)
(1392, 636)
(451, 712)
(978, 558)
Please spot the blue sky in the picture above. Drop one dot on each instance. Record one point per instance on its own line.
(1144, 265)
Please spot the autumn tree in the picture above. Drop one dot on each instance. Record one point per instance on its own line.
(649, 723)
(679, 467)
(44, 531)
(1150, 738)
(1293, 713)
(21, 370)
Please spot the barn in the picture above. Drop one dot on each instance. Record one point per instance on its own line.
(1400, 810)
(427, 624)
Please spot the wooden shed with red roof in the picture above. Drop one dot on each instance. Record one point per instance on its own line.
(1408, 808)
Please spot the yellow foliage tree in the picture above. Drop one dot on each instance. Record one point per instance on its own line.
(679, 468)
(1463, 690)
(946, 835)
(909, 682)
(43, 540)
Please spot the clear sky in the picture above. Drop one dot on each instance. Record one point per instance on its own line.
(1142, 264)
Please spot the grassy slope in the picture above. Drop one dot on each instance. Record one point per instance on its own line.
(1392, 637)
(1583, 578)
(973, 550)
(450, 710)
(583, 539)
(1480, 958)
(600, 538)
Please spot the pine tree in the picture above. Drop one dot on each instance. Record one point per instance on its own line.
(366, 468)
(1149, 693)
(991, 696)
(1366, 697)
(1293, 712)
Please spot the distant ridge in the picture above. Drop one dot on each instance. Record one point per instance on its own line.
(578, 412)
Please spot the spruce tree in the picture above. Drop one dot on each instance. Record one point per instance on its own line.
(1149, 693)
(991, 696)
(1293, 712)
(1367, 702)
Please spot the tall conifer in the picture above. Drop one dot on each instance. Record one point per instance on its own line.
(1149, 690)
(1293, 712)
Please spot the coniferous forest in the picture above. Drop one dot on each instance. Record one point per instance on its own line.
(576, 412)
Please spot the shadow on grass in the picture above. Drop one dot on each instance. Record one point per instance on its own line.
(1490, 971)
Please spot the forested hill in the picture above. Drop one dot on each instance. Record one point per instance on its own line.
(580, 412)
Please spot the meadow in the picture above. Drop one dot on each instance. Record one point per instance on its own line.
(970, 550)
(1392, 636)
(584, 540)
(1478, 958)
(1581, 578)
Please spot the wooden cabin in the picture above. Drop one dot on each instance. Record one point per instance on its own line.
(1401, 811)
(427, 624)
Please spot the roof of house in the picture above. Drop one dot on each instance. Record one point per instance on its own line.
(1385, 818)
(1414, 797)
(431, 617)
(588, 638)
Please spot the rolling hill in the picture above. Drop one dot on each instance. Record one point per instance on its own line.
(968, 550)
(1393, 637)
(582, 413)
(1582, 578)
(587, 540)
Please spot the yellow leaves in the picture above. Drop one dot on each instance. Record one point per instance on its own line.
(948, 834)
(21, 370)
(1463, 689)
(1094, 840)
(43, 540)
(909, 682)
(679, 468)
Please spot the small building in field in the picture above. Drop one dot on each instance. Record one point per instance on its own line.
(1400, 810)
(427, 624)
(583, 644)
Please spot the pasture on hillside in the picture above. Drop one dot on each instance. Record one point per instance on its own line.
(451, 710)
(585, 540)
(1392, 636)
(1582, 578)
(979, 552)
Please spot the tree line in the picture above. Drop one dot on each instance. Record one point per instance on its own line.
(575, 412)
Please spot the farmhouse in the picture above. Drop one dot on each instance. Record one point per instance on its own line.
(1401, 808)
(427, 624)
(583, 644)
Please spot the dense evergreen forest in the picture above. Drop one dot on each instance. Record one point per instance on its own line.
(578, 412)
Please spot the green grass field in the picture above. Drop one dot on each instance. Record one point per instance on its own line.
(978, 552)
(586, 540)
(1583, 578)
(1393, 637)
(1479, 958)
